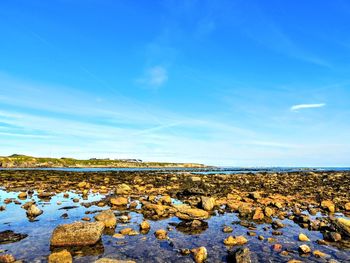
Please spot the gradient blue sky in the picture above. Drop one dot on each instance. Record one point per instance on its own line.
(239, 83)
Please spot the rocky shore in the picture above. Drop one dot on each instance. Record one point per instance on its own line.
(175, 216)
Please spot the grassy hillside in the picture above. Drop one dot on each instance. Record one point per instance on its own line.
(23, 161)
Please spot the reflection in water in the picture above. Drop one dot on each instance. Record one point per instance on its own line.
(145, 247)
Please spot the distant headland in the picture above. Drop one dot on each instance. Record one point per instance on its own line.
(24, 161)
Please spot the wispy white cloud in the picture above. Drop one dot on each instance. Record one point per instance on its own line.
(306, 106)
(154, 77)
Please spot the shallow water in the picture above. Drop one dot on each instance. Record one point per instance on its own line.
(146, 248)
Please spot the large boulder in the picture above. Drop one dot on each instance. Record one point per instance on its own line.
(77, 234)
(186, 212)
(108, 218)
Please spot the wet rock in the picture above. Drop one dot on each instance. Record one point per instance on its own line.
(208, 203)
(319, 254)
(110, 260)
(192, 227)
(7, 258)
(328, 205)
(303, 237)
(277, 247)
(119, 201)
(305, 249)
(2, 208)
(77, 234)
(245, 210)
(145, 226)
(34, 211)
(277, 224)
(227, 229)
(268, 211)
(200, 254)
(82, 184)
(9, 236)
(241, 255)
(45, 195)
(60, 257)
(123, 189)
(233, 241)
(161, 234)
(185, 212)
(255, 195)
(343, 225)
(22, 195)
(107, 218)
(347, 206)
(128, 232)
(258, 214)
(165, 199)
(332, 236)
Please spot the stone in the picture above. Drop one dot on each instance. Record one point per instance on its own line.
(108, 218)
(332, 236)
(161, 234)
(8, 236)
(200, 254)
(60, 257)
(347, 206)
(77, 234)
(258, 214)
(208, 203)
(119, 201)
(319, 254)
(242, 255)
(110, 260)
(145, 225)
(303, 237)
(22, 195)
(165, 199)
(123, 189)
(268, 211)
(33, 211)
(343, 225)
(185, 212)
(277, 224)
(328, 205)
(82, 184)
(233, 241)
(7, 258)
(277, 247)
(227, 229)
(305, 249)
(119, 236)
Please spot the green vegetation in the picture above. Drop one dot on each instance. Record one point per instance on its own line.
(23, 161)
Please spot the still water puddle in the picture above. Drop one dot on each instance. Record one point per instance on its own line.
(145, 247)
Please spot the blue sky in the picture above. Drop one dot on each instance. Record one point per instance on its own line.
(237, 83)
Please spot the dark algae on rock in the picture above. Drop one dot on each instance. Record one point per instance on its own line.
(174, 216)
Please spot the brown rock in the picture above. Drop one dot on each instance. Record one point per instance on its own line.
(303, 237)
(119, 201)
(110, 260)
(123, 189)
(7, 258)
(161, 234)
(22, 195)
(107, 218)
(268, 211)
(242, 255)
(319, 254)
(328, 205)
(200, 254)
(77, 234)
(304, 249)
(208, 203)
(34, 211)
(258, 214)
(61, 257)
(185, 212)
(347, 206)
(145, 225)
(233, 241)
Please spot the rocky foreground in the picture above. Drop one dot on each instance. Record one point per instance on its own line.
(292, 217)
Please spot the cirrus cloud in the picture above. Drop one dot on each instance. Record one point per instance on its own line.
(307, 106)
